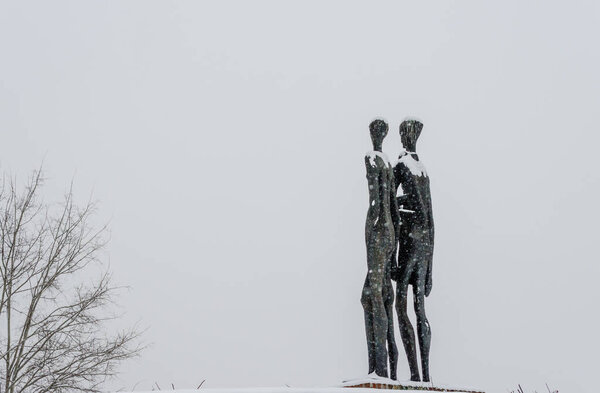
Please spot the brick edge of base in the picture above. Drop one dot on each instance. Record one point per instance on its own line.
(376, 385)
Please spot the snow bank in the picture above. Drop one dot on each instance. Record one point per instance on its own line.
(286, 390)
(345, 387)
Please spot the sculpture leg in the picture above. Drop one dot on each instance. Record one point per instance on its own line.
(391, 341)
(366, 303)
(423, 328)
(380, 327)
(406, 330)
(377, 253)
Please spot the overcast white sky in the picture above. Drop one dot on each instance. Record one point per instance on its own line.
(225, 142)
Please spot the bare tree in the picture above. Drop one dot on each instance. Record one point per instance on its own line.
(52, 335)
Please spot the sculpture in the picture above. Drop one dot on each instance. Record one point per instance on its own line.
(415, 251)
(381, 239)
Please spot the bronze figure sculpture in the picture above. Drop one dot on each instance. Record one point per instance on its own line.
(415, 248)
(381, 238)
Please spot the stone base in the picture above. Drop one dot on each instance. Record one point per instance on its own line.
(374, 381)
(400, 386)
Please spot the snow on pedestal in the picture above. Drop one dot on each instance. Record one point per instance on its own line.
(374, 381)
(369, 384)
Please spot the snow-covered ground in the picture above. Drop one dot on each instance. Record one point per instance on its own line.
(342, 388)
(287, 390)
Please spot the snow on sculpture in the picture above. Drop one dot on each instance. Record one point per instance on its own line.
(415, 247)
(399, 223)
(381, 239)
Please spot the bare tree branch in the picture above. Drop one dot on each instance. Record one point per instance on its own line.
(52, 337)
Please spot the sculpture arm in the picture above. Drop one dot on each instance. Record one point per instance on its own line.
(398, 180)
(374, 184)
(429, 278)
(395, 207)
(396, 220)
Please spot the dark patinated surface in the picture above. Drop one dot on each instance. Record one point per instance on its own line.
(415, 248)
(381, 239)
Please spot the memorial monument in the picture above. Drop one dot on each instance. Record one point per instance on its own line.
(415, 247)
(381, 238)
(399, 239)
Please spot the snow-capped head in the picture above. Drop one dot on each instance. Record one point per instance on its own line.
(410, 130)
(379, 130)
(412, 118)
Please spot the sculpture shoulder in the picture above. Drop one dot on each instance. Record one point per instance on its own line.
(407, 164)
(376, 159)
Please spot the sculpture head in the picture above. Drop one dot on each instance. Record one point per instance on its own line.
(379, 130)
(410, 130)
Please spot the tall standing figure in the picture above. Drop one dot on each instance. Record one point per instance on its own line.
(378, 294)
(415, 252)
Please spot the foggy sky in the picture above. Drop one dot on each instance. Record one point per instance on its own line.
(225, 143)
